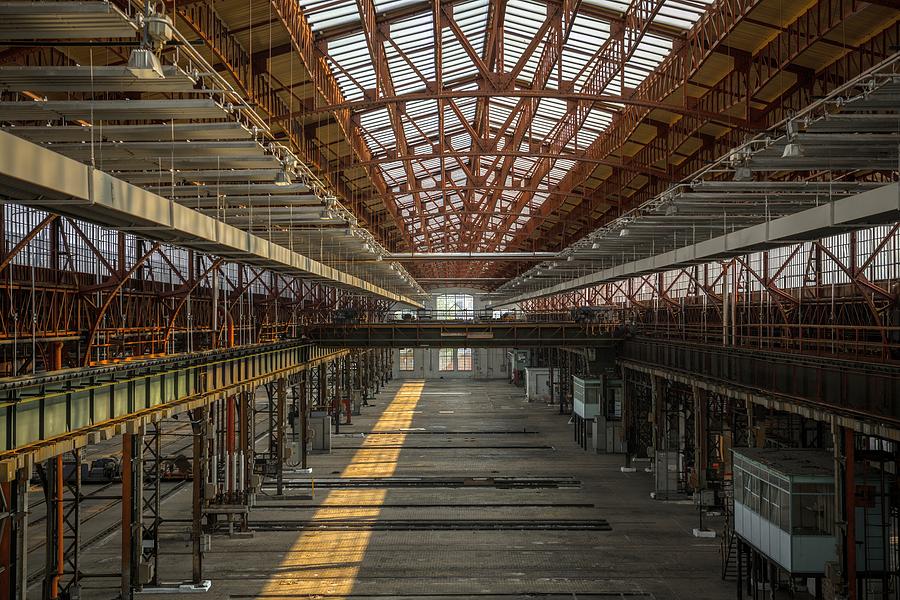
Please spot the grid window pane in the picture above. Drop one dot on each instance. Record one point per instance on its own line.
(455, 306)
(445, 359)
(464, 359)
(407, 361)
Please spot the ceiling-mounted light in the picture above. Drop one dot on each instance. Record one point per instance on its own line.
(743, 173)
(144, 64)
(792, 150)
(282, 179)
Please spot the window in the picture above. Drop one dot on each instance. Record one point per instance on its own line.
(445, 359)
(464, 359)
(407, 362)
(812, 510)
(455, 306)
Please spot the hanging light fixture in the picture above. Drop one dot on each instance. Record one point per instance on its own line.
(792, 150)
(743, 173)
(156, 30)
(282, 179)
(144, 64)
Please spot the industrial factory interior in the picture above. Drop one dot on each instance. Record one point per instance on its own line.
(450, 299)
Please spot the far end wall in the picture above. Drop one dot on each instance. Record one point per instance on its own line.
(487, 363)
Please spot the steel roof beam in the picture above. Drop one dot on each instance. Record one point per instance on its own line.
(383, 81)
(407, 11)
(303, 39)
(205, 22)
(552, 35)
(608, 62)
(730, 92)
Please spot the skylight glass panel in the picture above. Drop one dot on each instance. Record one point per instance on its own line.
(550, 130)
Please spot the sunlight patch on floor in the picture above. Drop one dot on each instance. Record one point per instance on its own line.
(335, 557)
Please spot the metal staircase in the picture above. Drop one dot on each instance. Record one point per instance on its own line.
(728, 547)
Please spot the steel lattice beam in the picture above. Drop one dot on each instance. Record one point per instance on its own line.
(735, 93)
(291, 15)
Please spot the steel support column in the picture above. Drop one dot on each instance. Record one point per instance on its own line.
(281, 399)
(200, 454)
(18, 588)
(150, 518)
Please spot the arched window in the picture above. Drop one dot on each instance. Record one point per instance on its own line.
(455, 306)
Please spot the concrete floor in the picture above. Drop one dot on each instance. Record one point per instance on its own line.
(458, 533)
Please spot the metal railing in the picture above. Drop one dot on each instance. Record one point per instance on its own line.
(63, 407)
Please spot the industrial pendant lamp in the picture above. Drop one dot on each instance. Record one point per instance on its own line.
(155, 32)
(282, 179)
(144, 64)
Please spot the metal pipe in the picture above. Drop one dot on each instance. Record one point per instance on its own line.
(412, 256)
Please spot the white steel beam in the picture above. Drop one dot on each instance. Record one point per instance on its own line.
(870, 208)
(35, 176)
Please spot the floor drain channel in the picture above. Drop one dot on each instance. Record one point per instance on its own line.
(432, 525)
(442, 432)
(437, 482)
(408, 447)
(265, 504)
(455, 596)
